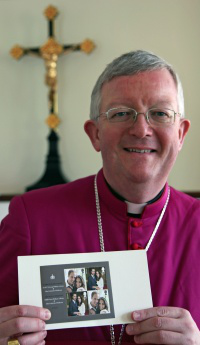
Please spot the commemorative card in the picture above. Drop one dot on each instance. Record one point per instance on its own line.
(89, 289)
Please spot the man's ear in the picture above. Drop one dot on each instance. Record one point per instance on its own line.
(183, 129)
(92, 130)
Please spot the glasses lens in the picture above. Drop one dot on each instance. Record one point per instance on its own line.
(121, 114)
(161, 117)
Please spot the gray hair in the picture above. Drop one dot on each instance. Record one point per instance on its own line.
(129, 64)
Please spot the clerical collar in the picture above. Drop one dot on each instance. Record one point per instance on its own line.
(135, 210)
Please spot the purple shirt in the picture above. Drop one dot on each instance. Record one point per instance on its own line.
(62, 219)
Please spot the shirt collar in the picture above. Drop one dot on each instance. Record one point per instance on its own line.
(135, 208)
(119, 207)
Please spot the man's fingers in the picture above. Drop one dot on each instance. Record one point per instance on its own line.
(156, 323)
(22, 319)
(161, 337)
(170, 312)
(32, 339)
(21, 325)
(160, 318)
(163, 325)
(29, 339)
(16, 311)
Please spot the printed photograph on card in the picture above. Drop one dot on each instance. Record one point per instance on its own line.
(77, 292)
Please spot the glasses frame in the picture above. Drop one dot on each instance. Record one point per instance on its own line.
(146, 115)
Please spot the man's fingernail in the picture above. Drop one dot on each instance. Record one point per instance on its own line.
(47, 314)
(136, 315)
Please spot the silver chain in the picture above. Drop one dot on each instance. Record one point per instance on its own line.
(101, 240)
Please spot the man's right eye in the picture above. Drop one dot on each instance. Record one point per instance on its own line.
(119, 114)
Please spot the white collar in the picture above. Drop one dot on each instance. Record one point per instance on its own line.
(135, 208)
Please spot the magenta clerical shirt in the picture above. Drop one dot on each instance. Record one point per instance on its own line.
(62, 219)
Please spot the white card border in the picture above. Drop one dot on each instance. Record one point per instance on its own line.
(129, 279)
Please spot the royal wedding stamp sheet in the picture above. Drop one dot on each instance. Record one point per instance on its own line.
(89, 289)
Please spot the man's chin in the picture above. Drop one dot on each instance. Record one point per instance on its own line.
(141, 177)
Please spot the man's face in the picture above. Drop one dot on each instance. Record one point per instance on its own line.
(93, 272)
(71, 278)
(116, 141)
(94, 300)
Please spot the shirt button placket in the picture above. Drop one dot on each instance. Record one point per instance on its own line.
(134, 223)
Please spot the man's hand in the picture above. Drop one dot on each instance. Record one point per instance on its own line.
(164, 325)
(26, 323)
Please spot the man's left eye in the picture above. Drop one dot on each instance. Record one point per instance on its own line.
(159, 113)
(121, 114)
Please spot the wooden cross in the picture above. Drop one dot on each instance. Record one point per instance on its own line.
(50, 52)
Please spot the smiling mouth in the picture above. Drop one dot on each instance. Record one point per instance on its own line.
(139, 151)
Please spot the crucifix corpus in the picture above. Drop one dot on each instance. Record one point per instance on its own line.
(50, 52)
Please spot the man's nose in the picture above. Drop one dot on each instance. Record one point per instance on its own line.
(140, 127)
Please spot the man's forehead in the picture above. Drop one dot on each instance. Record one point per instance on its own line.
(147, 82)
(143, 76)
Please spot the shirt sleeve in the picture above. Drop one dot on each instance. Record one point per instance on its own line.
(14, 241)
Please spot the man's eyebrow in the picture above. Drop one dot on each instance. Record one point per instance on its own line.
(159, 103)
(162, 103)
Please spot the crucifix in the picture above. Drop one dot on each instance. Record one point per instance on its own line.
(50, 52)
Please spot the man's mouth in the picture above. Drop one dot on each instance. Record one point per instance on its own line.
(139, 151)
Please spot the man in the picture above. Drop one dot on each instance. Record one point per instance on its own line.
(93, 303)
(137, 123)
(92, 283)
(70, 281)
(73, 307)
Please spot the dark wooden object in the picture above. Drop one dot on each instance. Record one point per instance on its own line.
(53, 174)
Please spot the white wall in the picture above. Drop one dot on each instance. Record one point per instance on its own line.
(169, 28)
(3, 209)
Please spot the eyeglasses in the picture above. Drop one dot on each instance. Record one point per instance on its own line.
(155, 116)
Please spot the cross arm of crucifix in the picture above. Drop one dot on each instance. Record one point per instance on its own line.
(49, 52)
(52, 47)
